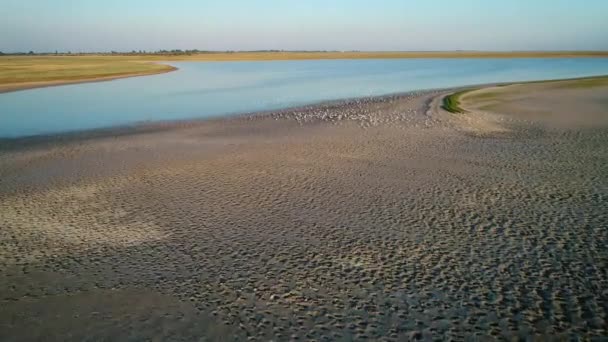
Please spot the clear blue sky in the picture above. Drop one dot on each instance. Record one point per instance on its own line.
(103, 25)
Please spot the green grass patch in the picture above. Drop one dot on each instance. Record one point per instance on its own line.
(451, 103)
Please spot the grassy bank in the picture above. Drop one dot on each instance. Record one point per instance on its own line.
(453, 102)
(23, 72)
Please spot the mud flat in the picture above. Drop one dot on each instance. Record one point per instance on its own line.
(378, 219)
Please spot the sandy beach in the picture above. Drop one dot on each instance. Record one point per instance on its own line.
(382, 218)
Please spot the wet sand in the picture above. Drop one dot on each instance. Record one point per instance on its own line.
(378, 219)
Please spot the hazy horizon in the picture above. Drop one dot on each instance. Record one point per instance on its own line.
(185, 51)
(339, 25)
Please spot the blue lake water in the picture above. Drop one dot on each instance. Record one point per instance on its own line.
(208, 89)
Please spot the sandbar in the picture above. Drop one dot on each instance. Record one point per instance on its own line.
(379, 218)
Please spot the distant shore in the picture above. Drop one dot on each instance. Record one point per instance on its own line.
(195, 55)
(11, 87)
(21, 72)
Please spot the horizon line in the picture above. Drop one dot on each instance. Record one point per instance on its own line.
(166, 51)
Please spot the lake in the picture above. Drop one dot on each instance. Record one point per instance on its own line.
(211, 89)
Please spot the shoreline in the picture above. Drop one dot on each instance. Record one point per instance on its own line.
(9, 88)
(143, 127)
(155, 126)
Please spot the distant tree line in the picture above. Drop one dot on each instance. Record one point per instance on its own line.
(17, 53)
(144, 52)
(32, 53)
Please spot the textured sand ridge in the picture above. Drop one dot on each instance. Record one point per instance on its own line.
(378, 219)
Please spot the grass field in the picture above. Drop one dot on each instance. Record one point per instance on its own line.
(28, 69)
(23, 72)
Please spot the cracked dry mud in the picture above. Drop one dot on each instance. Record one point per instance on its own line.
(378, 219)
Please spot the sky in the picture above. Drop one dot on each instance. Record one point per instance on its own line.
(367, 25)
